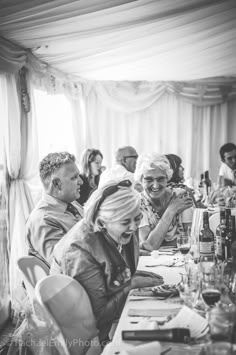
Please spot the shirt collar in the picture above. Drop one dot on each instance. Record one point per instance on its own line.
(53, 201)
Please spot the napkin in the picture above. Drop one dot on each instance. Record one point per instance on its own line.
(153, 348)
(187, 318)
(167, 310)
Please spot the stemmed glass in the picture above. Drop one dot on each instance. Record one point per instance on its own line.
(211, 289)
(184, 243)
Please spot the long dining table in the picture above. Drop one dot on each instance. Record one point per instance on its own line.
(142, 312)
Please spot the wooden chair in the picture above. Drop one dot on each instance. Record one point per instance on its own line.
(68, 305)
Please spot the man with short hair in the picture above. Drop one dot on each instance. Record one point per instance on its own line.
(126, 158)
(227, 172)
(57, 211)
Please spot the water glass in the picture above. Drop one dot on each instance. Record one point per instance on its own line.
(221, 322)
(218, 348)
(188, 290)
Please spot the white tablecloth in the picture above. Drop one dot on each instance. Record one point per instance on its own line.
(170, 275)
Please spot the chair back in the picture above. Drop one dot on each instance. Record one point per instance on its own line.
(33, 269)
(69, 305)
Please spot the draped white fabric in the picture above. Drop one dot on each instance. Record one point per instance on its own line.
(166, 125)
(20, 145)
(127, 40)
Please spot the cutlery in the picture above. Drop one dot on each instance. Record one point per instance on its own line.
(180, 263)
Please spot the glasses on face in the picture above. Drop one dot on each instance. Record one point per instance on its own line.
(131, 156)
(110, 190)
(159, 180)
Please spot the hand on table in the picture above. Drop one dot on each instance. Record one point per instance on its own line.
(146, 279)
(145, 249)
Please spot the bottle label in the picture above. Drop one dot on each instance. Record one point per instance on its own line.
(206, 248)
(218, 246)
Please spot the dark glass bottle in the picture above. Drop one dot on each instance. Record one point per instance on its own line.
(233, 223)
(206, 239)
(220, 237)
(207, 182)
(201, 185)
(232, 286)
(227, 217)
(230, 237)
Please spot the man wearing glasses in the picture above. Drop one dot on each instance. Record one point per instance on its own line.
(126, 158)
(227, 173)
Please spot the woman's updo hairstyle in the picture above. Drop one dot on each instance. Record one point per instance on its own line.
(114, 207)
(149, 161)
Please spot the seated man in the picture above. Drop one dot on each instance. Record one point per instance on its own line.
(54, 215)
(227, 172)
(124, 168)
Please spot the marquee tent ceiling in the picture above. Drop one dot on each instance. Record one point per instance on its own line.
(150, 40)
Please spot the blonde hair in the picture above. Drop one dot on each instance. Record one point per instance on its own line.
(114, 207)
(149, 161)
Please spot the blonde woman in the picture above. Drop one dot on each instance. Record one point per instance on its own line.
(160, 205)
(102, 252)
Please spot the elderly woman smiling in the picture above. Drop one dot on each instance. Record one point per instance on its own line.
(102, 251)
(160, 205)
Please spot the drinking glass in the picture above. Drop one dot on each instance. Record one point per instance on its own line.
(218, 348)
(221, 322)
(184, 243)
(188, 287)
(211, 290)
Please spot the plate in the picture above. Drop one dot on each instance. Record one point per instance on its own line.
(165, 290)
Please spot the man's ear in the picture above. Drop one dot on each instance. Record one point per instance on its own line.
(123, 161)
(56, 182)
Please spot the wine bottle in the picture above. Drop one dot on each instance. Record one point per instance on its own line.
(201, 185)
(206, 238)
(207, 182)
(220, 237)
(227, 217)
(232, 285)
(233, 226)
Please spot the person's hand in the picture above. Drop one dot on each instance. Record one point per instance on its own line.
(145, 279)
(220, 200)
(180, 203)
(145, 249)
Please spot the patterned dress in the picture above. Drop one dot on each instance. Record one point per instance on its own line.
(151, 218)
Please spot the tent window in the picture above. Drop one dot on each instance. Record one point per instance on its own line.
(54, 122)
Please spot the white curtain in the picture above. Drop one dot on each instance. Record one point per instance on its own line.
(134, 114)
(20, 145)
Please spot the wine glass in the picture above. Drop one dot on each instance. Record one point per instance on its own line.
(184, 243)
(211, 290)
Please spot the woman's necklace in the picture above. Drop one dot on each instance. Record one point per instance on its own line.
(119, 247)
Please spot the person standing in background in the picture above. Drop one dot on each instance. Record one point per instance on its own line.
(91, 162)
(178, 170)
(227, 172)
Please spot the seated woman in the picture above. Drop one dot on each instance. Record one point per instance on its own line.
(177, 177)
(160, 205)
(91, 162)
(102, 251)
